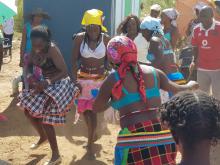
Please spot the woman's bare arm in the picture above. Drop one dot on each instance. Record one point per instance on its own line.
(170, 86)
(106, 40)
(155, 48)
(75, 55)
(58, 60)
(175, 36)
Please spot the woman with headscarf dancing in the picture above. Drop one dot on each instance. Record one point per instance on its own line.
(133, 90)
(89, 67)
(160, 53)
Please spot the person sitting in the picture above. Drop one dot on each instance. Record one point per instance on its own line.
(193, 118)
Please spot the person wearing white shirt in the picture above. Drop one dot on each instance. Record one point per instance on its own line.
(8, 31)
(130, 27)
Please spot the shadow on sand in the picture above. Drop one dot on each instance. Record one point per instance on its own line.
(18, 125)
(86, 159)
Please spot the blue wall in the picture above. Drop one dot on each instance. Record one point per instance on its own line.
(66, 18)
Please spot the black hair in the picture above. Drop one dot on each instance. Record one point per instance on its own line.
(44, 33)
(193, 117)
(41, 32)
(207, 11)
(122, 28)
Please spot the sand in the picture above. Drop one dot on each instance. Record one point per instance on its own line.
(16, 134)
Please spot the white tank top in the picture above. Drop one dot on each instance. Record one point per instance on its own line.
(98, 53)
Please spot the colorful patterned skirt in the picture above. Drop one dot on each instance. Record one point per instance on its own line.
(145, 144)
(90, 87)
(52, 104)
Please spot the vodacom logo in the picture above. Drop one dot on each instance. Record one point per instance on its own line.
(204, 43)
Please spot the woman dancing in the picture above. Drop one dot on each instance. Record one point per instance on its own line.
(89, 67)
(50, 98)
(160, 53)
(134, 91)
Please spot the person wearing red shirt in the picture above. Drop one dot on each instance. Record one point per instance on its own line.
(206, 39)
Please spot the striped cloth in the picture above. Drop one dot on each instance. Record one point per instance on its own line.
(145, 139)
(145, 144)
(52, 104)
(177, 77)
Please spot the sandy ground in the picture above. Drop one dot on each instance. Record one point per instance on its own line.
(16, 134)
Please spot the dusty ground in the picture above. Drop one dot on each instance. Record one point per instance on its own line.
(16, 134)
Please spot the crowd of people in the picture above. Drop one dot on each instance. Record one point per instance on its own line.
(134, 72)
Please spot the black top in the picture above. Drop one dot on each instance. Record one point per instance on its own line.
(48, 64)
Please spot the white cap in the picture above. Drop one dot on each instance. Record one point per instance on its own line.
(199, 6)
(155, 7)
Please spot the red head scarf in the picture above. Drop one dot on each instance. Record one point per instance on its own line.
(123, 52)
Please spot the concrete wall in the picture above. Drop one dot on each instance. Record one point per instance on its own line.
(66, 18)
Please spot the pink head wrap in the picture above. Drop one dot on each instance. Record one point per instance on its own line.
(123, 52)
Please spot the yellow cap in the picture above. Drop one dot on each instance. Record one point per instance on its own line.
(93, 17)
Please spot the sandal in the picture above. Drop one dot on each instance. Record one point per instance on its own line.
(58, 161)
(36, 146)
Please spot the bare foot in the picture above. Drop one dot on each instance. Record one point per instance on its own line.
(90, 155)
(14, 94)
(55, 157)
(95, 138)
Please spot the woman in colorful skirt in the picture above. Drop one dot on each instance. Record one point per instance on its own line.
(89, 68)
(134, 91)
(49, 99)
(160, 53)
(193, 118)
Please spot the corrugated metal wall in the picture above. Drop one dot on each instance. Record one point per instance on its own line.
(66, 18)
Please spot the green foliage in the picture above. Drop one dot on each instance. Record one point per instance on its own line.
(164, 4)
(19, 21)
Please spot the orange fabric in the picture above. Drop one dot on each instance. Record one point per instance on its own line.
(186, 10)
